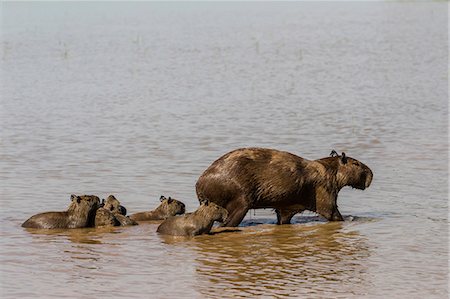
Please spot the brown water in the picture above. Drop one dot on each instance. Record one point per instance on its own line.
(138, 99)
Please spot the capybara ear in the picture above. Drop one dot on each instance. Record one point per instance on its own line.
(162, 198)
(333, 153)
(343, 158)
(78, 199)
(170, 200)
(72, 197)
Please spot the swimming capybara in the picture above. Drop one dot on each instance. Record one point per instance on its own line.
(113, 204)
(117, 210)
(168, 207)
(125, 220)
(252, 178)
(196, 223)
(104, 217)
(81, 213)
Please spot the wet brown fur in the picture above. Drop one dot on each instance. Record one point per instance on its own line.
(111, 214)
(104, 217)
(81, 213)
(252, 178)
(169, 207)
(196, 223)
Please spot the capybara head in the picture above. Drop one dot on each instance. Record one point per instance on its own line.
(113, 205)
(103, 217)
(213, 211)
(83, 204)
(351, 172)
(170, 206)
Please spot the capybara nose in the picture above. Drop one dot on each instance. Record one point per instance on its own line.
(369, 178)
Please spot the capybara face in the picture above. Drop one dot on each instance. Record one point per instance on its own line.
(84, 202)
(171, 206)
(113, 205)
(215, 212)
(353, 173)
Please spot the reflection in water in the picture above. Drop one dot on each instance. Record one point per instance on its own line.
(78, 235)
(80, 252)
(282, 261)
(84, 255)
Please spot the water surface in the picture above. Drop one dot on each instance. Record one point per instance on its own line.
(137, 99)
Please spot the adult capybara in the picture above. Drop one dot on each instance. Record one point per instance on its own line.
(168, 207)
(252, 178)
(196, 223)
(81, 213)
(113, 205)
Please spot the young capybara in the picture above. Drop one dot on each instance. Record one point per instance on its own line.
(112, 214)
(252, 178)
(196, 223)
(104, 217)
(81, 213)
(168, 207)
(113, 204)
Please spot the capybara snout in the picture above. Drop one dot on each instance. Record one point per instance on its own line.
(224, 216)
(369, 177)
(218, 213)
(353, 173)
(214, 211)
(172, 206)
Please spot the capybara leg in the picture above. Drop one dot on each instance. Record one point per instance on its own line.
(237, 210)
(236, 217)
(336, 216)
(326, 205)
(332, 214)
(284, 216)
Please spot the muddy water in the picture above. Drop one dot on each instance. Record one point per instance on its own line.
(138, 99)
